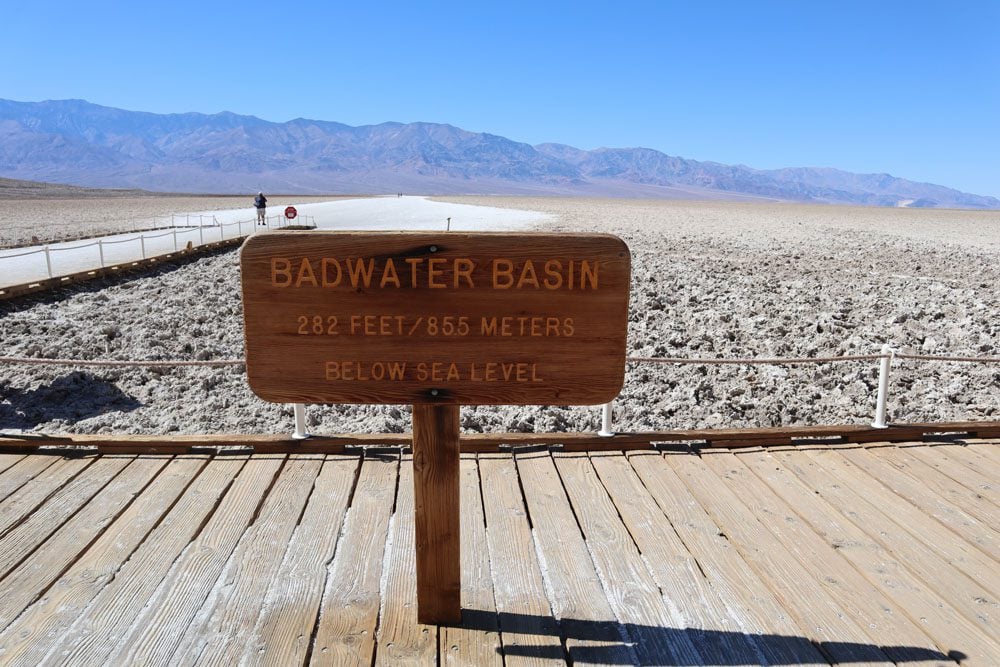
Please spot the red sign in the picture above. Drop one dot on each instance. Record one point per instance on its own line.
(290, 213)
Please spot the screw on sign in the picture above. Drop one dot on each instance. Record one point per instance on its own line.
(290, 213)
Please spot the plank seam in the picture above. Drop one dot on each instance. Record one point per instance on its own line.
(489, 559)
(390, 530)
(628, 640)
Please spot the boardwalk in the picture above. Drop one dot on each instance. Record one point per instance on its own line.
(809, 555)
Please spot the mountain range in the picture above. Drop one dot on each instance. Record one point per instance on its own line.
(76, 142)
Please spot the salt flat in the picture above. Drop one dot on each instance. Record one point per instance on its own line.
(710, 279)
(21, 265)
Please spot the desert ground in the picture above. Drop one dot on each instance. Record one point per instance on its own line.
(710, 279)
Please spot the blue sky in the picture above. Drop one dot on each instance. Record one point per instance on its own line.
(908, 88)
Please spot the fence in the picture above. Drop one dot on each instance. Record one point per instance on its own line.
(24, 235)
(111, 251)
(885, 357)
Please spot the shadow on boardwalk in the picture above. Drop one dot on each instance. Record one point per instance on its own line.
(629, 643)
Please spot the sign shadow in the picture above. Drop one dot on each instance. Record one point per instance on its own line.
(610, 642)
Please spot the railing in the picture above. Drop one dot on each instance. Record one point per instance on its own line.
(885, 357)
(22, 235)
(180, 236)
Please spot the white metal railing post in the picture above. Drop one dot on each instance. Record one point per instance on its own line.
(201, 235)
(48, 260)
(100, 251)
(300, 421)
(883, 387)
(142, 245)
(606, 420)
(175, 239)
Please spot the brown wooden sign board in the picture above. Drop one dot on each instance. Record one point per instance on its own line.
(435, 318)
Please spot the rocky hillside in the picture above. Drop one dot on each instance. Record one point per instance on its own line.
(73, 141)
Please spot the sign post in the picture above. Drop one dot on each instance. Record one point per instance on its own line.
(436, 320)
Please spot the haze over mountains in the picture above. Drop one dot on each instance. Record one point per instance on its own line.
(73, 141)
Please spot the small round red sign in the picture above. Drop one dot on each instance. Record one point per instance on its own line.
(290, 213)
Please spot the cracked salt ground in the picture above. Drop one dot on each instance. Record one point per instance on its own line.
(723, 280)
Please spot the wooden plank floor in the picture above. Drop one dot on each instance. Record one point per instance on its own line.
(845, 554)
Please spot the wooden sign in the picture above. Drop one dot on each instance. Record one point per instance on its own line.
(435, 318)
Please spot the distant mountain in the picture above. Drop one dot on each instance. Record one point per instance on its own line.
(73, 141)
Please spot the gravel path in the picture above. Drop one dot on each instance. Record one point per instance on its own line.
(709, 279)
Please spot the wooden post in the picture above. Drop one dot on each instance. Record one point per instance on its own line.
(436, 513)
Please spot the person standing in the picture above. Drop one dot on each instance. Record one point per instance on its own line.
(260, 201)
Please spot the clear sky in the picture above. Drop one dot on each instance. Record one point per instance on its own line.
(911, 88)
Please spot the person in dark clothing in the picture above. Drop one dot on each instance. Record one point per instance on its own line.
(260, 201)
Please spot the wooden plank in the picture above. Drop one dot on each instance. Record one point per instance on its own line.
(23, 539)
(781, 636)
(96, 630)
(436, 513)
(654, 623)
(977, 566)
(528, 630)
(587, 622)
(477, 640)
(26, 641)
(722, 632)
(8, 460)
(863, 506)
(291, 606)
(956, 493)
(980, 457)
(484, 442)
(215, 636)
(28, 484)
(836, 629)
(985, 449)
(463, 318)
(25, 584)
(884, 621)
(153, 637)
(943, 459)
(952, 633)
(909, 486)
(402, 638)
(21, 471)
(349, 612)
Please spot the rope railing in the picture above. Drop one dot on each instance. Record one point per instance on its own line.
(179, 235)
(141, 238)
(807, 360)
(116, 363)
(665, 360)
(885, 357)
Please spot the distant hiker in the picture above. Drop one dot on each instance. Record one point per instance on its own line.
(260, 201)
